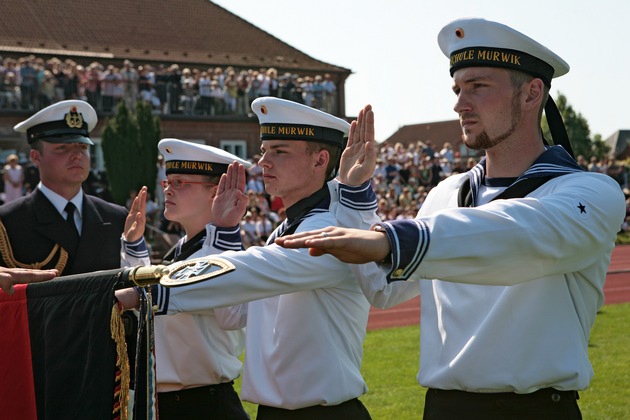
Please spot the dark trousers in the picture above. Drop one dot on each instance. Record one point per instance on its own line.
(218, 402)
(349, 410)
(544, 404)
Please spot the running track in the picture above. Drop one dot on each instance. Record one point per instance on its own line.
(616, 290)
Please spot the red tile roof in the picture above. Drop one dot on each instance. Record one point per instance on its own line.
(436, 132)
(167, 31)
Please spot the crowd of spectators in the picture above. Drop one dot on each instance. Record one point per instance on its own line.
(615, 169)
(32, 83)
(402, 179)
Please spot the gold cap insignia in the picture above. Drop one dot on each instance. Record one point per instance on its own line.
(74, 119)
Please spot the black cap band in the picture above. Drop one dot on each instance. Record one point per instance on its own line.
(194, 167)
(501, 57)
(277, 131)
(56, 129)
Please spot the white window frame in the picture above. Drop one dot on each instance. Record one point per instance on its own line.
(236, 147)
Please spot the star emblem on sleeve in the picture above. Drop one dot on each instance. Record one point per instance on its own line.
(581, 208)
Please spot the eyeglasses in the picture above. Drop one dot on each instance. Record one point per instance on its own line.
(179, 183)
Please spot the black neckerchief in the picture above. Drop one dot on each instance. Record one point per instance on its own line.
(498, 182)
(182, 251)
(300, 210)
(552, 163)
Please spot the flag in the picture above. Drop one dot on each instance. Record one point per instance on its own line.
(62, 350)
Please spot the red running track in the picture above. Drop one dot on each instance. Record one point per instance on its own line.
(616, 290)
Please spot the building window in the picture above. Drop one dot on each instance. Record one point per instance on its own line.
(236, 147)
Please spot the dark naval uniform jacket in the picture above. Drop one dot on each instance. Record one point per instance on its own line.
(34, 235)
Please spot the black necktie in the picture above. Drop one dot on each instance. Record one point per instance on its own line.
(70, 208)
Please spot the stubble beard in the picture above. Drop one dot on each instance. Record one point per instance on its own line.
(484, 142)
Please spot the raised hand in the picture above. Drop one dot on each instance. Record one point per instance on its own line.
(230, 202)
(358, 160)
(353, 246)
(137, 217)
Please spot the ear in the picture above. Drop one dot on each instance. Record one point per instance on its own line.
(34, 156)
(533, 94)
(213, 191)
(323, 157)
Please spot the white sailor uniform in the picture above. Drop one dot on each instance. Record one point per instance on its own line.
(306, 323)
(194, 350)
(509, 288)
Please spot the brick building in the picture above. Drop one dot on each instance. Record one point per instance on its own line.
(191, 33)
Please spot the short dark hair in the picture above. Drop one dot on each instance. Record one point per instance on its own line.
(334, 152)
(37, 145)
(518, 78)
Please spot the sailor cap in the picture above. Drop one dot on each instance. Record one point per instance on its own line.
(287, 120)
(183, 157)
(476, 42)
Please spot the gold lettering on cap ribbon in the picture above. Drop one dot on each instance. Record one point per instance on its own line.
(486, 55)
(501, 57)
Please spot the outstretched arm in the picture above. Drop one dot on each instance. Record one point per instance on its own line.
(11, 276)
(353, 246)
(137, 217)
(230, 201)
(358, 160)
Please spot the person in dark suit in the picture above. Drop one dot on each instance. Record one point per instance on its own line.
(57, 225)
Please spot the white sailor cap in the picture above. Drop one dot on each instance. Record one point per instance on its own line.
(183, 157)
(287, 120)
(62, 122)
(475, 42)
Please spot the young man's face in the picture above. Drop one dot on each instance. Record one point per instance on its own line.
(289, 170)
(62, 165)
(488, 106)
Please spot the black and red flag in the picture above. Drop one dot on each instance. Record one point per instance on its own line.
(62, 350)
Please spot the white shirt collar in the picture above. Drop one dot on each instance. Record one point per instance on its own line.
(59, 202)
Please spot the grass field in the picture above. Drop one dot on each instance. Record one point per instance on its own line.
(391, 358)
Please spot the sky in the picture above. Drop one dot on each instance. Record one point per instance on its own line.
(391, 48)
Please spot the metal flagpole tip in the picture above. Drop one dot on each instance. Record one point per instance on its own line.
(195, 270)
(145, 275)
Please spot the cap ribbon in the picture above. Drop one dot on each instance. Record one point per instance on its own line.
(194, 167)
(281, 131)
(501, 57)
(556, 126)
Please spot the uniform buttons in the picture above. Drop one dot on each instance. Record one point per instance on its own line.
(177, 397)
(398, 272)
(556, 398)
(212, 391)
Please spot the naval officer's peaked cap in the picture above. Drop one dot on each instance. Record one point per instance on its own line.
(63, 122)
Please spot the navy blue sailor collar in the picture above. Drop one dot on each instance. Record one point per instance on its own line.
(555, 161)
(318, 200)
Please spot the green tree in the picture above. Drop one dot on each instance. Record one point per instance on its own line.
(130, 150)
(576, 125)
(600, 148)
